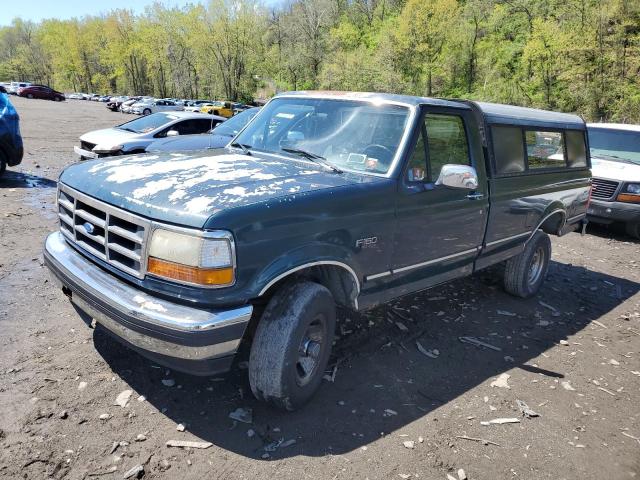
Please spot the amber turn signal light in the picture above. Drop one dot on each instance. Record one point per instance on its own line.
(189, 274)
(629, 198)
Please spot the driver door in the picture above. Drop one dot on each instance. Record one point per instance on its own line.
(439, 228)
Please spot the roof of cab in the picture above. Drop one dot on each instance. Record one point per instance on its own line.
(407, 100)
(493, 113)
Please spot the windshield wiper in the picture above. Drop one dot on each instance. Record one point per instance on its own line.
(313, 157)
(243, 147)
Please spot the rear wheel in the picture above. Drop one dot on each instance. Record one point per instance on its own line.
(525, 273)
(57, 99)
(29, 95)
(633, 230)
(292, 344)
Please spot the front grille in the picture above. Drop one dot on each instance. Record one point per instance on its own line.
(111, 234)
(604, 189)
(87, 145)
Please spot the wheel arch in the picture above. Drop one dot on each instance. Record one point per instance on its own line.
(337, 276)
(551, 221)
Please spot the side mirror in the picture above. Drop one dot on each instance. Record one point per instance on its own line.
(173, 133)
(458, 176)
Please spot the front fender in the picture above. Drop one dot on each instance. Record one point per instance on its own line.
(304, 257)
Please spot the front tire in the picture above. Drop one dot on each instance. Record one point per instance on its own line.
(146, 111)
(29, 95)
(633, 230)
(292, 344)
(525, 273)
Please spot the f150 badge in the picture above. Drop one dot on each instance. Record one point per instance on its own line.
(369, 242)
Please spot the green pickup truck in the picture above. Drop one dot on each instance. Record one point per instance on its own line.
(324, 199)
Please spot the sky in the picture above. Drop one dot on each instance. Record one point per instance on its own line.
(36, 10)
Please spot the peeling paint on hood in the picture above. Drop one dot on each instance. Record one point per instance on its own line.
(187, 189)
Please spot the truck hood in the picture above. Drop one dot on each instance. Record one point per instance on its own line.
(189, 142)
(186, 189)
(611, 170)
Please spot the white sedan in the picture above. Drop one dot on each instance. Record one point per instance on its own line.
(134, 136)
(155, 106)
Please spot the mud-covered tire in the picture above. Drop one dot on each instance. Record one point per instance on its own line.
(525, 273)
(633, 229)
(282, 346)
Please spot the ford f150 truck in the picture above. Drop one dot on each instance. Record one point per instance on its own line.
(322, 200)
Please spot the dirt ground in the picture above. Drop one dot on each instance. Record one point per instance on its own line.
(572, 355)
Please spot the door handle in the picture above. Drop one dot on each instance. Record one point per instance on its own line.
(475, 196)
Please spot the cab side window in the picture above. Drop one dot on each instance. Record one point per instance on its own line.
(442, 141)
(447, 142)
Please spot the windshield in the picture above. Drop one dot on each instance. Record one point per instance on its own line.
(231, 127)
(147, 123)
(616, 145)
(352, 135)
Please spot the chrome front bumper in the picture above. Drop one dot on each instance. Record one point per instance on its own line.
(191, 339)
(84, 153)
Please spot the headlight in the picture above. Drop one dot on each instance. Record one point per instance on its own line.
(206, 260)
(633, 188)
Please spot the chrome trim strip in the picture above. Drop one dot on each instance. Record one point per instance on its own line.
(311, 264)
(368, 278)
(506, 239)
(575, 217)
(130, 302)
(435, 260)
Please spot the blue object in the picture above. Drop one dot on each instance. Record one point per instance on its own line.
(11, 149)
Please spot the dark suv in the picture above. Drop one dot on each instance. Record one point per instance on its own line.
(41, 91)
(322, 200)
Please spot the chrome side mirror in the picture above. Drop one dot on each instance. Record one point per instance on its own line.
(172, 133)
(458, 176)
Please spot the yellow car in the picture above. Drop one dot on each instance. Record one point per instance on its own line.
(224, 109)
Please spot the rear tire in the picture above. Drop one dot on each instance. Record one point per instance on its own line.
(633, 230)
(525, 273)
(29, 95)
(292, 344)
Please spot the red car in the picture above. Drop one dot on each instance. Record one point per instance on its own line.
(41, 91)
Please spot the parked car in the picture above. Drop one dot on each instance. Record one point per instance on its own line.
(134, 136)
(223, 109)
(42, 92)
(322, 200)
(127, 106)
(15, 86)
(615, 150)
(114, 103)
(195, 106)
(76, 96)
(219, 136)
(11, 149)
(148, 107)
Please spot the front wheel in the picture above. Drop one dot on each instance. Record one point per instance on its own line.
(292, 345)
(524, 273)
(633, 230)
(29, 95)
(146, 111)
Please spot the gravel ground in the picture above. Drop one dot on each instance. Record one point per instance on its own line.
(572, 355)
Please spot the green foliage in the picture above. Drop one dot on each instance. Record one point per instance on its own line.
(577, 55)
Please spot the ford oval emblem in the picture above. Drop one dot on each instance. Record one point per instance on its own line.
(89, 228)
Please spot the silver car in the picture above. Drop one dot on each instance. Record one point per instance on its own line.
(148, 107)
(134, 136)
